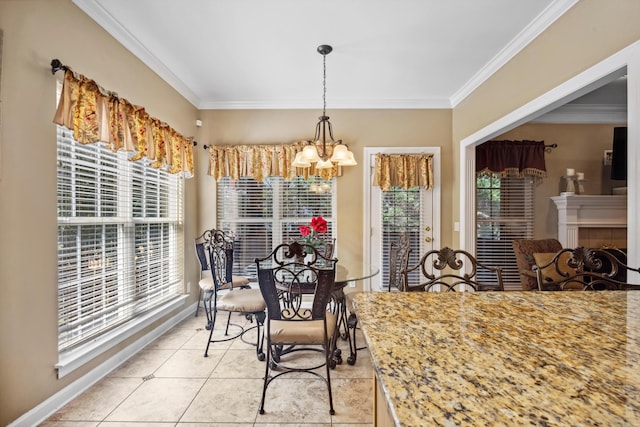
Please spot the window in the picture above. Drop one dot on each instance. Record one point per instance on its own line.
(402, 213)
(264, 214)
(120, 242)
(505, 207)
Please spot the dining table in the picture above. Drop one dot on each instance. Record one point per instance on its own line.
(503, 358)
(346, 274)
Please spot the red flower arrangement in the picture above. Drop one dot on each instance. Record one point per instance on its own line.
(310, 232)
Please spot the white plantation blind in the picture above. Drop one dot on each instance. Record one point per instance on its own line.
(505, 207)
(264, 214)
(120, 242)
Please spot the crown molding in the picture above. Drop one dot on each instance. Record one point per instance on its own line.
(586, 114)
(547, 17)
(339, 104)
(112, 26)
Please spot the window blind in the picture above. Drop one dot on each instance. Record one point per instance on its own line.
(262, 215)
(120, 243)
(401, 214)
(505, 207)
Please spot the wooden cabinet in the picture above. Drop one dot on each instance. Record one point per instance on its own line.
(381, 414)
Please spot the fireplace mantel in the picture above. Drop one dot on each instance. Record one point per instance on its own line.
(588, 211)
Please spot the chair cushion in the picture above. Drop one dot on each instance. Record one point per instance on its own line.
(206, 283)
(549, 273)
(301, 331)
(242, 300)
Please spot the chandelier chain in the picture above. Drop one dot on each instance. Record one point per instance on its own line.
(324, 85)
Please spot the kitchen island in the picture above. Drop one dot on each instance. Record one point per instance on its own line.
(504, 358)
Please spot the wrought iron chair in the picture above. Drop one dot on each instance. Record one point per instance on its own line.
(399, 252)
(582, 269)
(447, 270)
(244, 300)
(206, 279)
(398, 259)
(297, 282)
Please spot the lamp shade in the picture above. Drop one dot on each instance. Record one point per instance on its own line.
(310, 153)
(340, 152)
(349, 161)
(299, 161)
(324, 164)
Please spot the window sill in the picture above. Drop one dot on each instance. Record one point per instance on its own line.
(71, 360)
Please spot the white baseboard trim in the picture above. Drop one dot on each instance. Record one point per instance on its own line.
(47, 408)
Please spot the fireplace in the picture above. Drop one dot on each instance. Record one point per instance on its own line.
(591, 220)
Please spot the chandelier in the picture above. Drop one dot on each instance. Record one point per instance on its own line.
(325, 154)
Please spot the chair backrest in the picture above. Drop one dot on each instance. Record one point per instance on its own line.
(215, 253)
(582, 269)
(202, 250)
(523, 250)
(292, 273)
(447, 269)
(399, 251)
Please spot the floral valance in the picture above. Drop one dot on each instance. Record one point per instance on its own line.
(517, 158)
(403, 170)
(95, 114)
(260, 162)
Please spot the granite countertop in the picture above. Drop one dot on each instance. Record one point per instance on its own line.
(506, 358)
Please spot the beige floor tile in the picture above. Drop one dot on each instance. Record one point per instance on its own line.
(214, 425)
(190, 364)
(292, 425)
(172, 340)
(158, 400)
(135, 424)
(193, 322)
(69, 424)
(199, 339)
(225, 401)
(99, 400)
(296, 401)
(353, 401)
(363, 368)
(239, 364)
(249, 338)
(145, 363)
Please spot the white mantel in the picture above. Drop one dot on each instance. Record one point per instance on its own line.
(595, 211)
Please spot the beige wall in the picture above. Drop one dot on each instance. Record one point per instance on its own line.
(580, 147)
(35, 32)
(588, 33)
(358, 129)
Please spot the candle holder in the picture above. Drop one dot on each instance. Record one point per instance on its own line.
(569, 184)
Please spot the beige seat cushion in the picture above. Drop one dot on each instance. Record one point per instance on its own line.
(242, 300)
(301, 331)
(549, 273)
(206, 283)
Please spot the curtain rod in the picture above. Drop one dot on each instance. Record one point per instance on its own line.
(56, 66)
(548, 148)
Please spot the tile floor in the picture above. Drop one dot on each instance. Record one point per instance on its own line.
(170, 383)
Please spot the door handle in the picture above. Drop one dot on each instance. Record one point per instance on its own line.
(428, 239)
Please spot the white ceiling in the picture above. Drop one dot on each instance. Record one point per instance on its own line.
(262, 54)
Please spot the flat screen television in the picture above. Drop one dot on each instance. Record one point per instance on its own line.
(619, 155)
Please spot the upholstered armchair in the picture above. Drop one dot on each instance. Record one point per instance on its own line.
(524, 250)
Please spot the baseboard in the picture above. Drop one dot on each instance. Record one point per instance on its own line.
(47, 408)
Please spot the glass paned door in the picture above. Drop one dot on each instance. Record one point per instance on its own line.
(396, 212)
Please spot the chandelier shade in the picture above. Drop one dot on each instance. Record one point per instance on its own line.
(324, 150)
